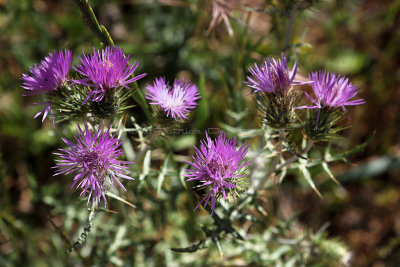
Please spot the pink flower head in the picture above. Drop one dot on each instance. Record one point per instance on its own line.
(273, 76)
(106, 70)
(47, 76)
(177, 100)
(332, 91)
(94, 160)
(216, 164)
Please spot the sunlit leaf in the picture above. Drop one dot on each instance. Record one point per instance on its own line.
(161, 176)
(309, 180)
(328, 171)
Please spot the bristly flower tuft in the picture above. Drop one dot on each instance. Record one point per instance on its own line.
(273, 76)
(49, 75)
(332, 91)
(106, 71)
(94, 160)
(217, 165)
(272, 84)
(175, 101)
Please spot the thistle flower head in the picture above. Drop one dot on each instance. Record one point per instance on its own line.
(217, 164)
(49, 75)
(332, 91)
(175, 101)
(273, 76)
(106, 70)
(94, 160)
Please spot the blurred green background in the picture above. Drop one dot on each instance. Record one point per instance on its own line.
(359, 39)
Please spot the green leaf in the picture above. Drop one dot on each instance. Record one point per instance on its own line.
(353, 151)
(139, 98)
(250, 133)
(218, 243)
(309, 180)
(183, 142)
(279, 252)
(181, 177)
(283, 174)
(108, 193)
(230, 129)
(146, 165)
(292, 261)
(328, 171)
(237, 116)
(119, 241)
(161, 176)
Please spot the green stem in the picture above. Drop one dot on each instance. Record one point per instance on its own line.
(86, 230)
(275, 160)
(101, 32)
(139, 98)
(294, 158)
(90, 19)
(147, 145)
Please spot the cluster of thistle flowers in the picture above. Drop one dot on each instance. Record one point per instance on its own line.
(218, 165)
(276, 94)
(100, 75)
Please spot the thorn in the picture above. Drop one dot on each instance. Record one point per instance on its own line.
(317, 192)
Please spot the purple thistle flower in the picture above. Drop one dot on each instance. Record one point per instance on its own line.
(106, 70)
(47, 76)
(177, 100)
(273, 77)
(332, 91)
(216, 164)
(93, 158)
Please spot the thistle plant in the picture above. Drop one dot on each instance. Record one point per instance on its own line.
(235, 177)
(96, 89)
